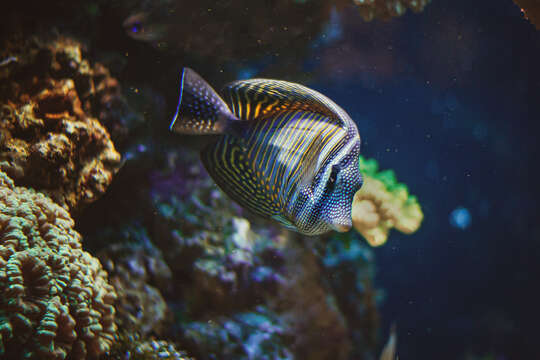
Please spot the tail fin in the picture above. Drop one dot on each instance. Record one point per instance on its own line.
(200, 111)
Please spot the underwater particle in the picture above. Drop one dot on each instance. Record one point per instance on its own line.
(530, 10)
(460, 218)
(382, 204)
(51, 141)
(387, 9)
(56, 301)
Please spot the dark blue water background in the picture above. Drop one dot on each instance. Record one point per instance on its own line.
(456, 114)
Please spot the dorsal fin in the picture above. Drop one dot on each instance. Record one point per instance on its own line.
(263, 98)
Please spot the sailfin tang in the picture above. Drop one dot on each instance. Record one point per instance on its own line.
(264, 98)
(200, 110)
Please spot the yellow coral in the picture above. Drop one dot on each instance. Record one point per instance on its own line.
(56, 301)
(382, 205)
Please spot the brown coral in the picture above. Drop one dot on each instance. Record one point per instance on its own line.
(386, 9)
(56, 301)
(48, 137)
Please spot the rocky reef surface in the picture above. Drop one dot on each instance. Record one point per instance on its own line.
(52, 139)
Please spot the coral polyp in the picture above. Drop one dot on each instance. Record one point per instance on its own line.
(56, 301)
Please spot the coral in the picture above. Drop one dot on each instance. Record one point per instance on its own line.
(132, 269)
(349, 270)
(387, 9)
(51, 140)
(531, 11)
(382, 204)
(219, 261)
(309, 309)
(56, 301)
(258, 334)
(132, 347)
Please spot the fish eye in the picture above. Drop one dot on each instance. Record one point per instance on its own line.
(332, 178)
(136, 27)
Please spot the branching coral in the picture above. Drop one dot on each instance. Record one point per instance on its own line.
(382, 204)
(49, 139)
(386, 9)
(56, 301)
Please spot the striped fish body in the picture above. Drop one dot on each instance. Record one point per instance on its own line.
(285, 151)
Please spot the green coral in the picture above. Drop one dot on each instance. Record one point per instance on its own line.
(382, 204)
(56, 301)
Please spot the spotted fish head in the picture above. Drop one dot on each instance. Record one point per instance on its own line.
(342, 179)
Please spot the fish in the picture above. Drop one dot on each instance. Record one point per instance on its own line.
(139, 27)
(279, 149)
